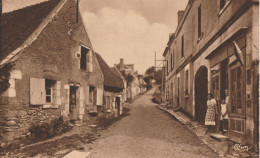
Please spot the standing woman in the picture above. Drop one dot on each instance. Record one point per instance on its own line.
(211, 113)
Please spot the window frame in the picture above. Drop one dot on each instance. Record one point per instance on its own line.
(186, 87)
(50, 83)
(199, 22)
(182, 46)
(81, 57)
(234, 107)
(171, 61)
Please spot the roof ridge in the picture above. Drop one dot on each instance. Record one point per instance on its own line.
(36, 32)
(35, 4)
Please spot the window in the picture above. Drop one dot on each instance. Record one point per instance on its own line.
(167, 67)
(199, 21)
(171, 61)
(83, 58)
(182, 46)
(49, 84)
(44, 91)
(186, 82)
(236, 88)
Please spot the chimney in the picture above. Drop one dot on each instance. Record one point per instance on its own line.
(121, 64)
(170, 35)
(180, 14)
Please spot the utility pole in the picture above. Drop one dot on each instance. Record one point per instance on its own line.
(161, 62)
(1, 4)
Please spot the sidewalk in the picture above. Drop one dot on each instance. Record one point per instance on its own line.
(219, 144)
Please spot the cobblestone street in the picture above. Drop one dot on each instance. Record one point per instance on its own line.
(149, 132)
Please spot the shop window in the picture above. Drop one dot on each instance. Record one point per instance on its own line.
(215, 86)
(236, 87)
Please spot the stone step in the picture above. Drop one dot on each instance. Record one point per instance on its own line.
(81, 154)
(218, 137)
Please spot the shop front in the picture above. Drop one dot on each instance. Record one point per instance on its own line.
(231, 70)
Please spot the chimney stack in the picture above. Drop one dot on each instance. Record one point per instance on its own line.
(121, 64)
(180, 14)
(170, 35)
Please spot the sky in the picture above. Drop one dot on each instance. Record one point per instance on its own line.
(129, 29)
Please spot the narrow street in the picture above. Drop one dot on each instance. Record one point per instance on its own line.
(149, 132)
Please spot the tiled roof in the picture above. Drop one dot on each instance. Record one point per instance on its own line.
(117, 72)
(111, 79)
(18, 25)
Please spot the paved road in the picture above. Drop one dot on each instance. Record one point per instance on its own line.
(148, 133)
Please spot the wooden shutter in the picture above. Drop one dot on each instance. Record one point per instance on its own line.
(95, 96)
(99, 96)
(37, 91)
(90, 61)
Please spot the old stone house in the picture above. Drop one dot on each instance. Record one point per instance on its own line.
(119, 74)
(113, 89)
(215, 48)
(48, 68)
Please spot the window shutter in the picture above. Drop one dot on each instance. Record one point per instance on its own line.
(95, 96)
(99, 96)
(37, 91)
(56, 93)
(90, 61)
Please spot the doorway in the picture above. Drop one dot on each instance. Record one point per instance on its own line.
(118, 105)
(201, 93)
(73, 103)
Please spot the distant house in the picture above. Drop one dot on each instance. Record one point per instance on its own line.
(133, 88)
(47, 67)
(117, 71)
(113, 88)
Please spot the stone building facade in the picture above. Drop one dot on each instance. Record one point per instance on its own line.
(51, 67)
(113, 89)
(215, 48)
